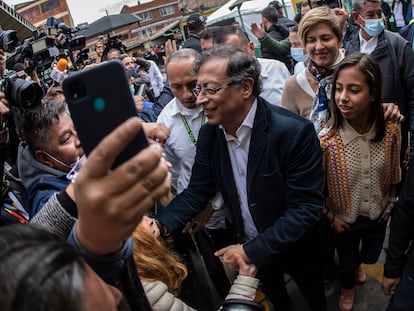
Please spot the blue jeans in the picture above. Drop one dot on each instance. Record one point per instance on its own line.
(370, 234)
(403, 300)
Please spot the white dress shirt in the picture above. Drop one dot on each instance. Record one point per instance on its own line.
(273, 75)
(239, 152)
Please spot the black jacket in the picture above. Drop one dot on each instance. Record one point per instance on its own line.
(284, 182)
(277, 32)
(396, 60)
(402, 233)
(193, 42)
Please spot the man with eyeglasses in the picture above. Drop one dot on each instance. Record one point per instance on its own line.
(273, 72)
(184, 118)
(267, 164)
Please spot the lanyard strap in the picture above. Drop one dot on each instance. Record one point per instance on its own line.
(187, 127)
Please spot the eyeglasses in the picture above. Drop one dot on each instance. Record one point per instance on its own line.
(212, 90)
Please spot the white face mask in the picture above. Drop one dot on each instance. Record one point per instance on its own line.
(73, 173)
(69, 166)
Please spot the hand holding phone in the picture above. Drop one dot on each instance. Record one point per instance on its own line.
(99, 100)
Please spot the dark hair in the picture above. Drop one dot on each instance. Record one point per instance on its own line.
(270, 13)
(369, 67)
(240, 65)
(210, 32)
(222, 35)
(39, 271)
(358, 5)
(123, 56)
(36, 125)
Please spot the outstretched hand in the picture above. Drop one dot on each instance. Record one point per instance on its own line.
(258, 30)
(244, 267)
(230, 253)
(112, 202)
(170, 47)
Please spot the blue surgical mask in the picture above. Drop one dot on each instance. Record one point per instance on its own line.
(373, 27)
(298, 55)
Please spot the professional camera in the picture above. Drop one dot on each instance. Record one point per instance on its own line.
(113, 43)
(83, 55)
(44, 51)
(39, 50)
(241, 305)
(72, 43)
(19, 92)
(8, 40)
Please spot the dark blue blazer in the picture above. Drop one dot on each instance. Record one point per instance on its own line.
(284, 182)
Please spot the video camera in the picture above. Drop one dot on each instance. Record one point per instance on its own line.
(113, 43)
(70, 42)
(19, 92)
(39, 50)
(8, 40)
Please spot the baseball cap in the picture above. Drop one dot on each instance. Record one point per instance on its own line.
(195, 21)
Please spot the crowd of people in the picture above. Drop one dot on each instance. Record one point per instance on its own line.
(294, 162)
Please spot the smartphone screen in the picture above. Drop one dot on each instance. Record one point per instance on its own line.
(99, 100)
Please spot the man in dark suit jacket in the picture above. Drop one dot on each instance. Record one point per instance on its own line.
(267, 163)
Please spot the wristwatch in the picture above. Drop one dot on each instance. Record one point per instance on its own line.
(393, 200)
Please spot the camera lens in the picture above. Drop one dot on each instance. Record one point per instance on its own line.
(241, 305)
(8, 40)
(27, 94)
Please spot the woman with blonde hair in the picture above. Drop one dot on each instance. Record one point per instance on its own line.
(307, 92)
(162, 273)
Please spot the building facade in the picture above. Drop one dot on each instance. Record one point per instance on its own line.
(37, 12)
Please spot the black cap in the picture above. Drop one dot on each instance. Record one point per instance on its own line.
(275, 4)
(177, 30)
(195, 21)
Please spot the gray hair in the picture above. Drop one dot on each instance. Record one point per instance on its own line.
(358, 5)
(36, 125)
(183, 54)
(240, 65)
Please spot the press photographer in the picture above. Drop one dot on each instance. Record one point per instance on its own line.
(67, 40)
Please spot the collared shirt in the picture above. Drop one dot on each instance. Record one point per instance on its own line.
(399, 14)
(179, 149)
(360, 172)
(367, 46)
(156, 78)
(273, 75)
(239, 154)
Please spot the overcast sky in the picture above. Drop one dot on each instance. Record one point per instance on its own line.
(90, 10)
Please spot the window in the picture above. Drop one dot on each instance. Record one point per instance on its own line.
(145, 33)
(167, 10)
(152, 30)
(50, 5)
(30, 15)
(145, 16)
